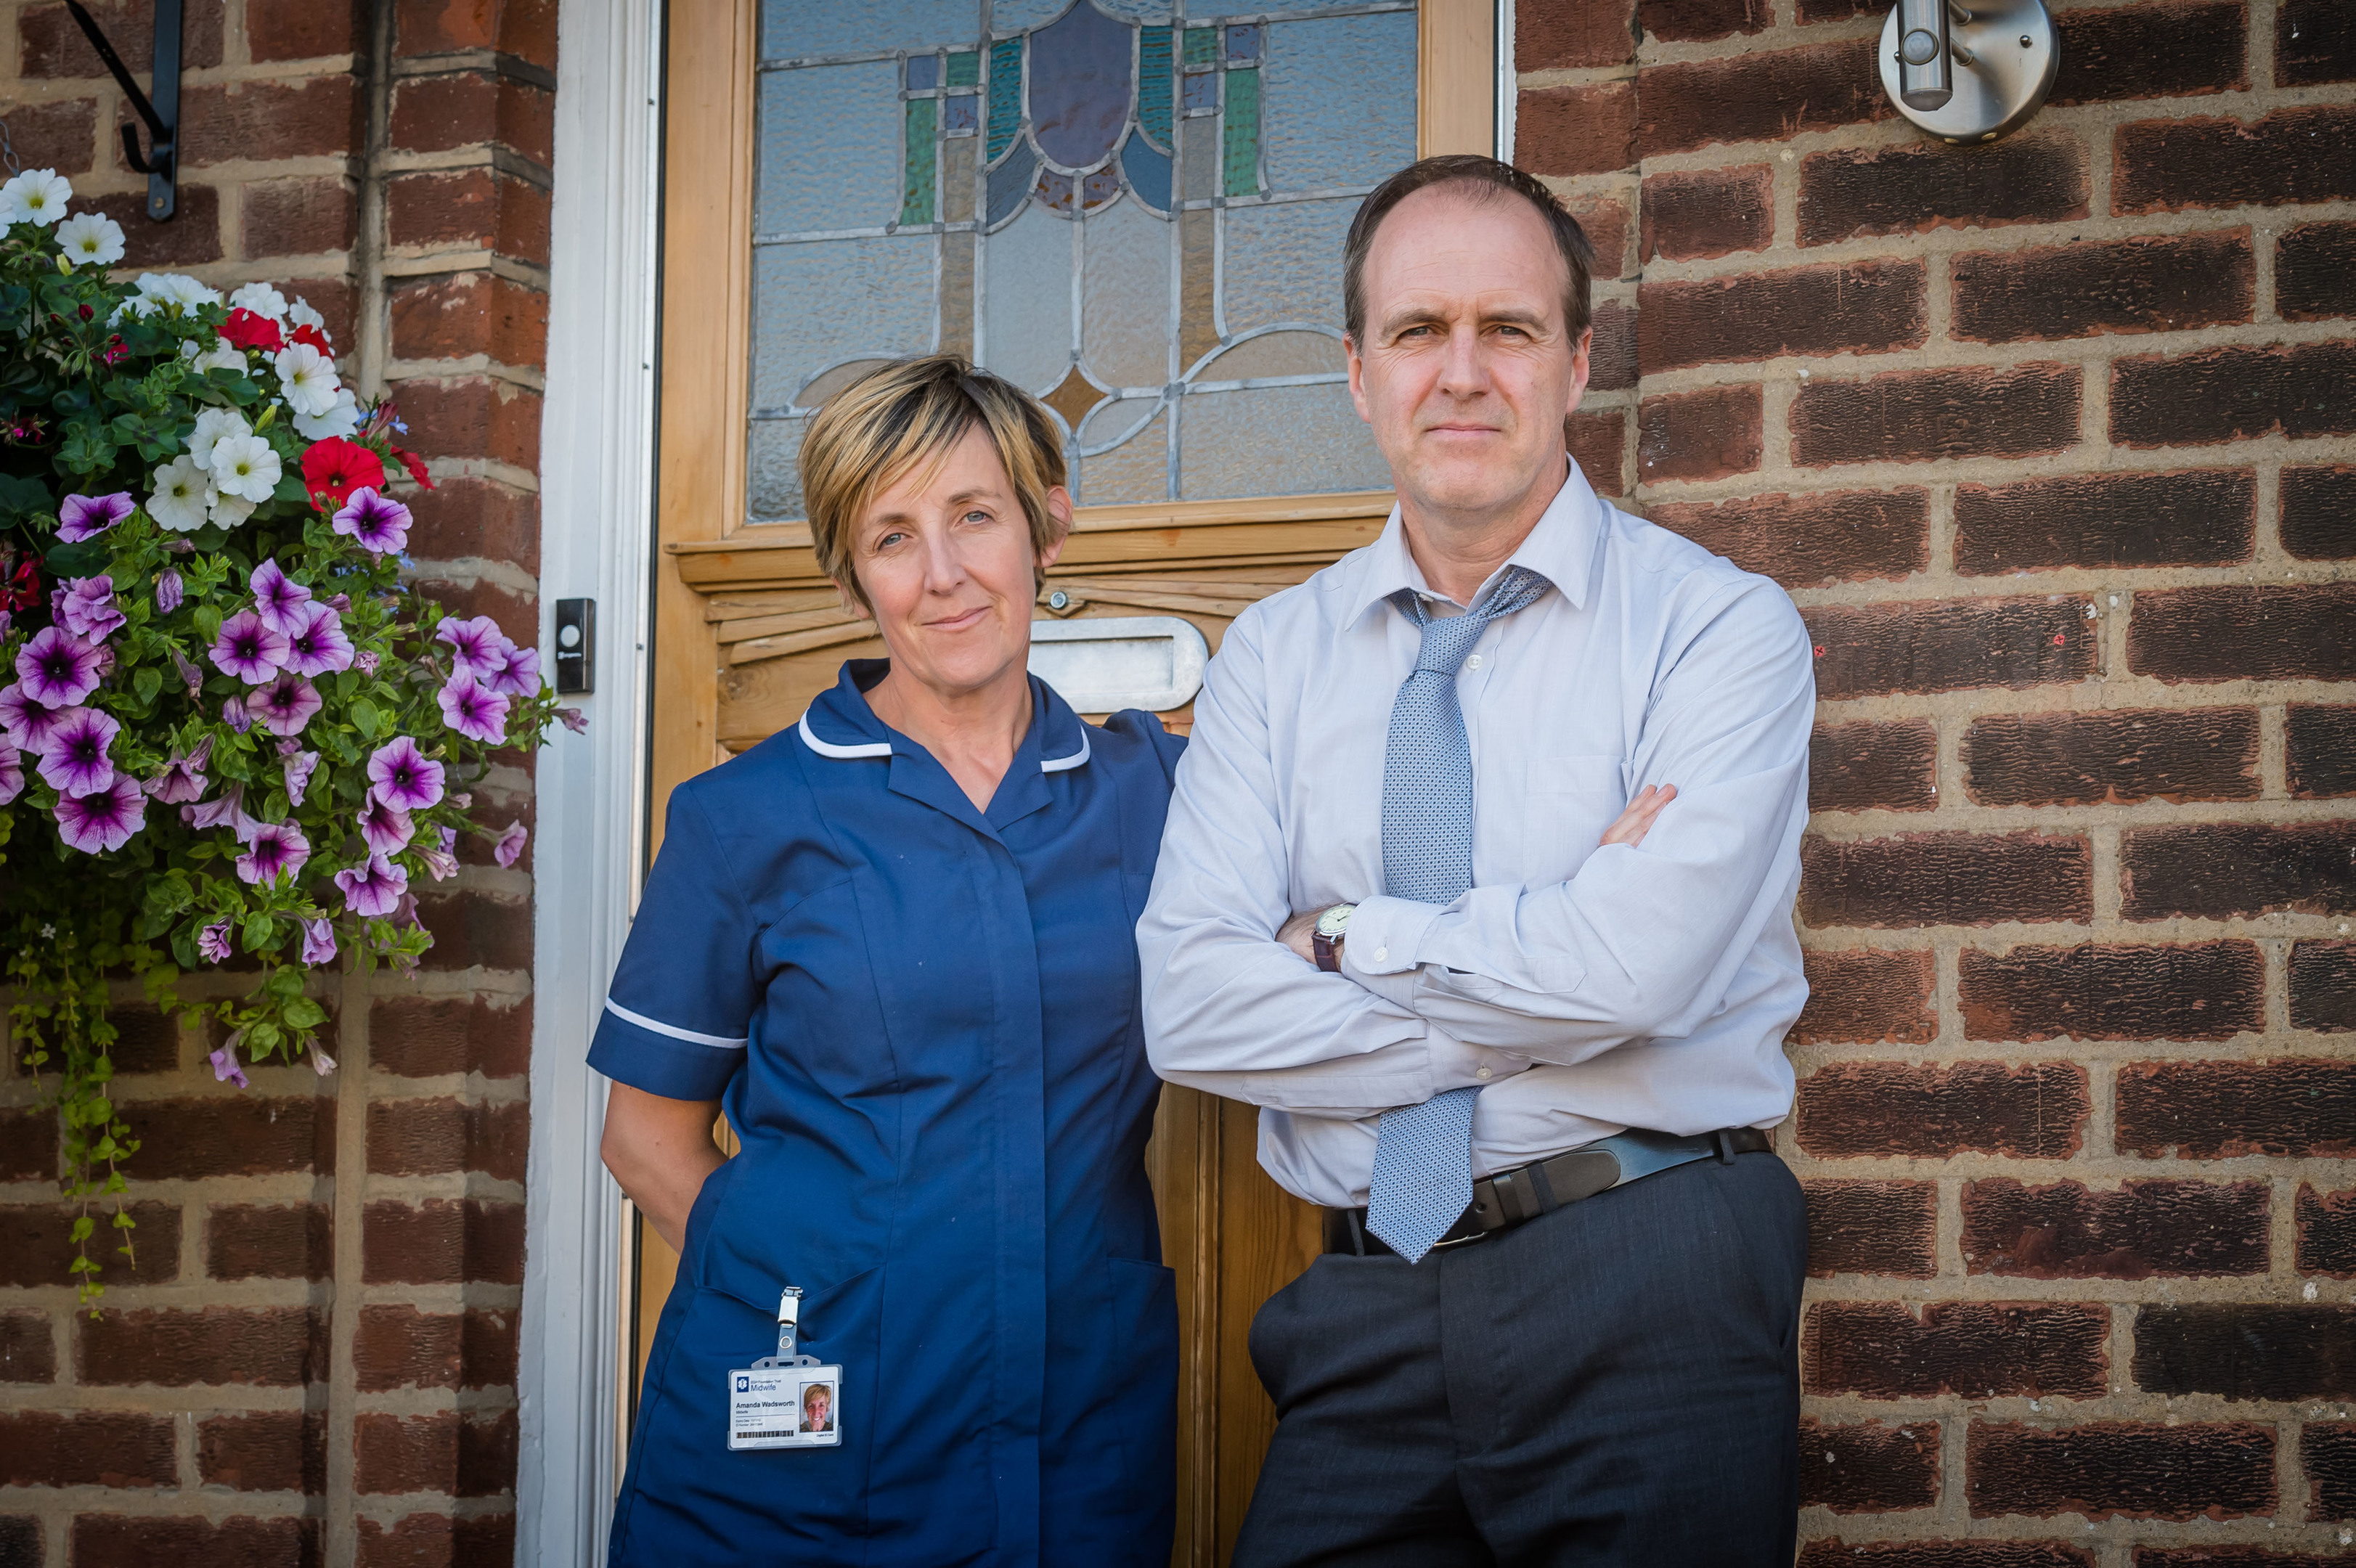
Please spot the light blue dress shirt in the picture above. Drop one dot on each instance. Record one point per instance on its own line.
(1585, 989)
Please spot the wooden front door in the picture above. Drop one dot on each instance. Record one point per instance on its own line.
(746, 631)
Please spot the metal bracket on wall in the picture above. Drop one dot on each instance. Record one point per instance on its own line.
(1968, 73)
(160, 109)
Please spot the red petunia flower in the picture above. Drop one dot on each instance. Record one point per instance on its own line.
(247, 331)
(314, 337)
(23, 590)
(414, 464)
(335, 467)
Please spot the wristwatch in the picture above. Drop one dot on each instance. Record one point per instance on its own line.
(1332, 926)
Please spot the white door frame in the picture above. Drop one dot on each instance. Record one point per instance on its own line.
(597, 539)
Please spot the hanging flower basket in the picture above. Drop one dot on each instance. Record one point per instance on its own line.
(231, 729)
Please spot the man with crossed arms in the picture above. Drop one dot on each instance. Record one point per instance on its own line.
(1523, 1070)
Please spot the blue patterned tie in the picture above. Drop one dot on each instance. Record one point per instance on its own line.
(1423, 1154)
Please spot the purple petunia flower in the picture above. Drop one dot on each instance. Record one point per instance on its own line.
(439, 857)
(374, 889)
(12, 772)
(224, 1061)
(190, 673)
(102, 819)
(213, 944)
(277, 597)
(278, 848)
(234, 715)
(76, 763)
(405, 777)
(320, 947)
(520, 677)
(365, 661)
(85, 606)
(315, 644)
(298, 765)
(381, 827)
(376, 523)
(24, 722)
(182, 782)
(572, 719)
(286, 705)
(58, 668)
(229, 810)
(248, 648)
(509, 843)
(83, 518)
(341, 604)
(476, 647)
(474, 711)
(168, 591)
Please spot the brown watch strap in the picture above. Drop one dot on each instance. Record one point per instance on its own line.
(1328, 949)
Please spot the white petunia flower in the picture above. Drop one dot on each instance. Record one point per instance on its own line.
(222, 355)
(340, 420)
(301, 314)
(176, 288)
(262, 300)
(308, 377)
(215, 425)
(227, 510)
(178, 503)
(245, 466)
(90, 240)
(37, 195)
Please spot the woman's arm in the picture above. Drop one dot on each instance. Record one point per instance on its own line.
(660, 1150)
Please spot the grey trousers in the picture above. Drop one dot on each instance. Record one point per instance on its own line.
(1615, 1382)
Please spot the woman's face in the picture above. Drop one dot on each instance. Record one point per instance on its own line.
(945, 556)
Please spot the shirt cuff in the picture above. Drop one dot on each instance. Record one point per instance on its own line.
(1385, 934)
(1456, 1065)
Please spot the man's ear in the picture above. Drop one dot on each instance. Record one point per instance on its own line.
(1357, 375)
(1579, 368)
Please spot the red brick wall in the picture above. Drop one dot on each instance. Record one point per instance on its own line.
(315, 1357)
(2050, 441)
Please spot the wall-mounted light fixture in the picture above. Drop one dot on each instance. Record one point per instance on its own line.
(1968, 75)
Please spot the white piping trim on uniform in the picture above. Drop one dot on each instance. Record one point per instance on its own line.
(627, 1017)
(883, 749)
(840, 754)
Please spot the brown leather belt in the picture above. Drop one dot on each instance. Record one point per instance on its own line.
(1511, 1198)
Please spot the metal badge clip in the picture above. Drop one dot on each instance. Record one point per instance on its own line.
(790, 1313)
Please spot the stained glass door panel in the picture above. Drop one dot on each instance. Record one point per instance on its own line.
(1134, 210)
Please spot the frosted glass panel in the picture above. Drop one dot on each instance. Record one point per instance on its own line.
(1275, 441)
(802, 30)
(1125, 308)
(1051, 182)
(830, 300)
(1314, 138)
(830, 148)
(1029, 316)
(776, 470)
(1284, 263)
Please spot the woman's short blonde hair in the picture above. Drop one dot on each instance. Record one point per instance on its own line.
(911, 412)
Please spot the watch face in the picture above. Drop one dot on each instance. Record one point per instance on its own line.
(1334, 921)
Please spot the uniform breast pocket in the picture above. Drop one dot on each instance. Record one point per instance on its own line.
(1567, 803)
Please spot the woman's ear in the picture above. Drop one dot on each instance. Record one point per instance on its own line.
(1059, 513)
(852, 602)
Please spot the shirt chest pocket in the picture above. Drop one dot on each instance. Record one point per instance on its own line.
(1567, 802)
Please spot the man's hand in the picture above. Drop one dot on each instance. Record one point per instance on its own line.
(1628, 829)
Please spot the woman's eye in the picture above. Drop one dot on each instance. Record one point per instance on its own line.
(887, 540)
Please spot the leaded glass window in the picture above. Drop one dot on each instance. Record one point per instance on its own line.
(1133, 210)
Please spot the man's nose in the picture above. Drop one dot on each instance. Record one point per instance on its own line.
(1463, 368)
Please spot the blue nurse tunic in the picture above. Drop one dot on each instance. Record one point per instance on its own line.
(923, 1018)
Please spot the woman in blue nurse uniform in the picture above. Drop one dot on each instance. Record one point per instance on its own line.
(894, 942)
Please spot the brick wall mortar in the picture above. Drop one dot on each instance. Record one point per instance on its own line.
(2149, 758)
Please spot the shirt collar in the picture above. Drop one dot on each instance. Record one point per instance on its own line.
(1559, 548)
(839, 725)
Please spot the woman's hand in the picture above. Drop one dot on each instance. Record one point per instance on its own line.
(660, 1150)
(1638, 819)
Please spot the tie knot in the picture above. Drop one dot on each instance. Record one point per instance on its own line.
(1447, 641)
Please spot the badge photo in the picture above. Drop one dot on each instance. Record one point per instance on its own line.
(785, 1407)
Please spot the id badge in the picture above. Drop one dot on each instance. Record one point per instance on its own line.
(785, 1407)
(786, 1401)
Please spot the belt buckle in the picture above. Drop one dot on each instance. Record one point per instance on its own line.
(1471, 1211)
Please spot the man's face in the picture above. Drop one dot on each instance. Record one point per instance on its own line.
(1467, 369)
